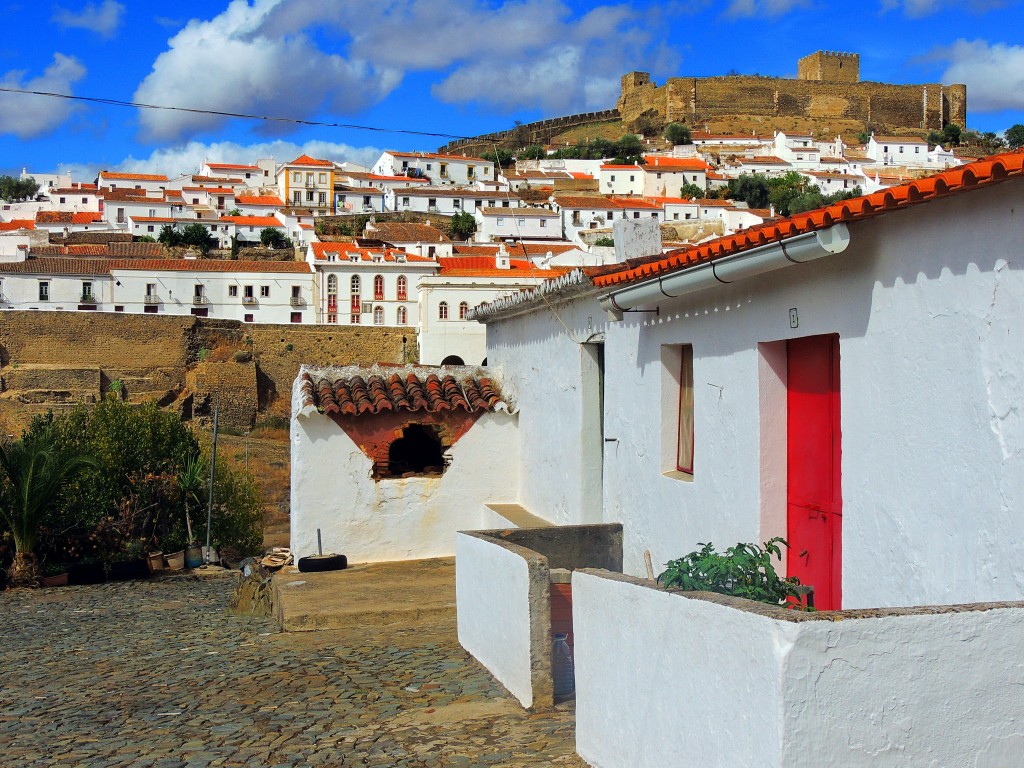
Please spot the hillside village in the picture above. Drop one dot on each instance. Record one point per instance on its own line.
(803, 341)
(92, 245)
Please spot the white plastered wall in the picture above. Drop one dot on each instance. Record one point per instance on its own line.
(679, 681)
(927, 305)
(495, 631)
(394, 518)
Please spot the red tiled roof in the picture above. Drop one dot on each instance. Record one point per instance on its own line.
(992, 170)
(514, 249)
(253, 221)
(347, 250)
(603, 203)
(374, 394)
(664, 162)
(68, 217)
(273, 200)
(232, 166)
(152, 219)
(75, 266)
(132, 176)
(307, 160)
(16, 224)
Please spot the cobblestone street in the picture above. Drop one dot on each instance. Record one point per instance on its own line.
(159, 674)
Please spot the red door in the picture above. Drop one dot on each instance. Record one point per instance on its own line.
(814, 499)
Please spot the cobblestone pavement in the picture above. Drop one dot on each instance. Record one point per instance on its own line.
(157, 674)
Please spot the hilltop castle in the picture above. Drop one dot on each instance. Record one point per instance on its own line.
(827, 88)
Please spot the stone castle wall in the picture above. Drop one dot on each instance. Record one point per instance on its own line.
(694, 100)
(828, 66)
(53, 359)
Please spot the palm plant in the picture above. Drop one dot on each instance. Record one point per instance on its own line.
(35, 469)
(191, 483)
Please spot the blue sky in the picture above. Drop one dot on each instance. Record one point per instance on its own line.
(434, 65)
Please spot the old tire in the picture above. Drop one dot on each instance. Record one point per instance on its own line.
(316, 563)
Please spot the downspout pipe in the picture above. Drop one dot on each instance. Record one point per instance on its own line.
(757, 261)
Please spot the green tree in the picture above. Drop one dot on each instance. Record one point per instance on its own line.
(272, 237)
(532, 152)
(754, 189)
(629, 149)
(463, 225)
(1015, 136)
(198, 236)
(169, 236)
(677, 133)
(692, 191)
(952, 133)
(500, 157)
(36, 471)
(14, 190)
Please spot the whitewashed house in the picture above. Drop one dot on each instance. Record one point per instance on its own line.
(665, 175)
(847, 379)
(440, 169)
(253, 176)
(582, 213)
(152, 184)
(74, 199)
(618, 179)
(898, 150)
(368, 286)
(447, 201)
(307, 182)
(517, 224)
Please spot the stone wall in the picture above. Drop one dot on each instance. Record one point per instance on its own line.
(540, 132)
(829, 66)
(694, 100)
(53, 359)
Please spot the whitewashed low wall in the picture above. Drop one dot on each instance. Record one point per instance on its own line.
(668, 680)
(496, 632)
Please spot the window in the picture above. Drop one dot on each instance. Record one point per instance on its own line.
(247, 292)
(470, 171)
(86, 289)
(463, 310)
(444, 170)
(233, 291)
(403, 288)
(296, 197)
(354, 318)
(151, 309)
(612, 177)
(500, 221)
(431, 251)
(149, 228)
(543, 223)
(323, 178)
(332, 318)
(63, 200)
(151, 289)
(332, 285)
(323, 198)
(248, 318)
(403, 316)
(521, 222)
(199, 292)
(309, 179)
(378, 315)
(297, 176)
(310, 196)
(378, 287)
(296, 317)
(405, 201)
(264, 291)
(677, 408)
(432, 203)
(442, 310)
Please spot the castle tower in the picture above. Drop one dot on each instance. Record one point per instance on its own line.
(830, 67)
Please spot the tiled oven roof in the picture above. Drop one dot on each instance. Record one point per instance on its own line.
(355, 391)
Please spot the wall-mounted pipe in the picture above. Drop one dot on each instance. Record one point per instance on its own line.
(757, 261)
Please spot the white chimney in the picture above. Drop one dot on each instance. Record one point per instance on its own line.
(501, 259)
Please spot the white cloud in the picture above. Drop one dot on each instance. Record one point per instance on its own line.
(25, 115)
(738, 8)
(229, 64)
(296, 57)
(993, 73)
(918, 8)
(103, 19)
(186, 158)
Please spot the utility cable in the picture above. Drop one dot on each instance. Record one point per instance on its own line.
(241, 115)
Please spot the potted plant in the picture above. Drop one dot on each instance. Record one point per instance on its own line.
(53, 575)
(88, 570)
(37, 466)
(130, 562)
(155, 561)
(191, 483)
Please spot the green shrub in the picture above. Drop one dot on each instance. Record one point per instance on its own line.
(605, 242)
(745, 571)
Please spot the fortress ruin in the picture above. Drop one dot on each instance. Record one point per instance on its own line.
(827, 88)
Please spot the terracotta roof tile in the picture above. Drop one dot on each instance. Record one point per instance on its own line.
(75, 266)
(667, 163)
(132, 176)
(253, 221)
(68, 217)
(272, 200)
(431, 390)
(16, 224)
(307, 160)
(232, 166)
(992, 170)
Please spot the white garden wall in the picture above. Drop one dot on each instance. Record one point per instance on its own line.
(492, 590)
(668, 680)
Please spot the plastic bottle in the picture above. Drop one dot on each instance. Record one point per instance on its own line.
(561, 666)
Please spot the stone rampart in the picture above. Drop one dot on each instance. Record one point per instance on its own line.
(540, 132)
(694, 100)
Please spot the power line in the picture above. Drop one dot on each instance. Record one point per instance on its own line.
(242, 115)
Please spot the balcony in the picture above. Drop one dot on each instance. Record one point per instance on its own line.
(199, 300)
(87, 298)
(297, 301)
(152, 298)
(248, 300)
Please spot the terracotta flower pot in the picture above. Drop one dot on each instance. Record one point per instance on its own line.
(60, 580)
(175, 560)
(155, 561)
